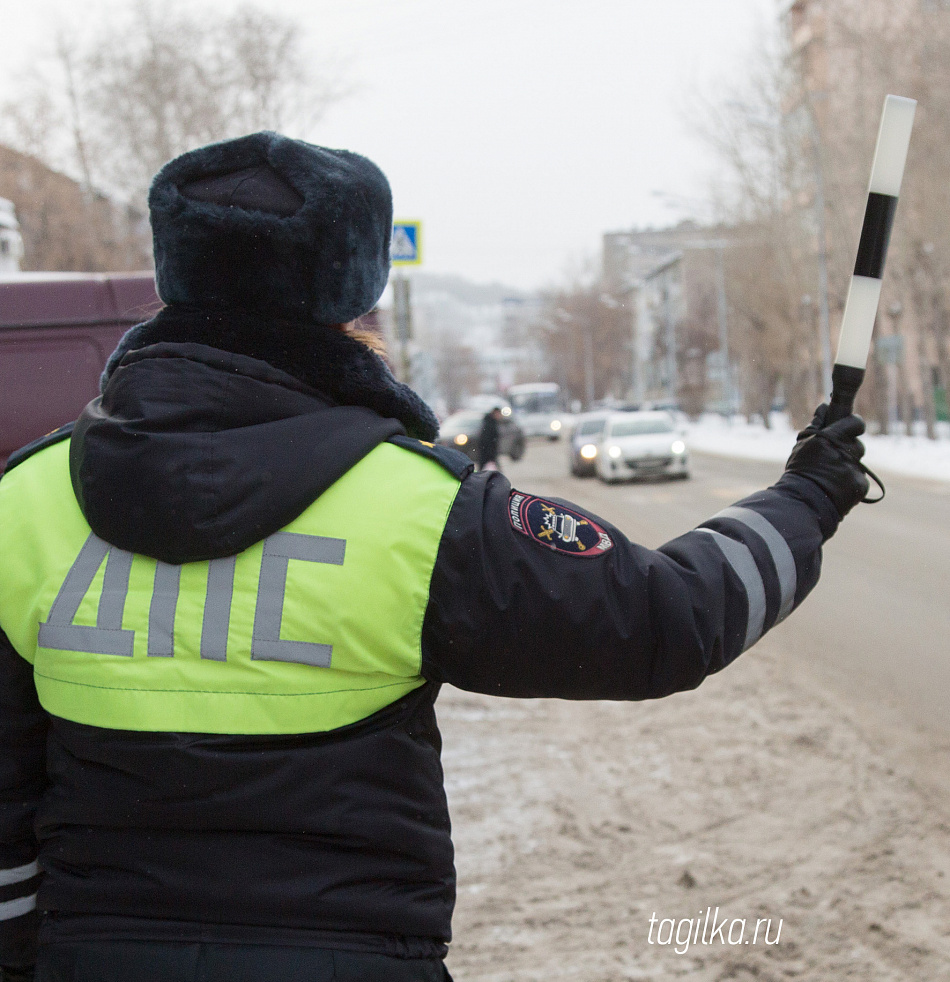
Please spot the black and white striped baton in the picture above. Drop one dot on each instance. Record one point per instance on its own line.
(893, 139)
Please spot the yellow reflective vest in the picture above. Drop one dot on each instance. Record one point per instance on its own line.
(313, 628)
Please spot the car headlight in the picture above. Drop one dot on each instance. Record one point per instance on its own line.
(588, 451)
(615, 451)
(461, 439)
(555, 425)
(678, 447)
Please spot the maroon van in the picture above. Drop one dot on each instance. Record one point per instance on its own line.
(56, 332)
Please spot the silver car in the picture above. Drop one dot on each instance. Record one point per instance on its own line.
(642, 444)
(585, 443)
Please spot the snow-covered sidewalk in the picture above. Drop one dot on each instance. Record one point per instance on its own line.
(576, 822)
(913, 455)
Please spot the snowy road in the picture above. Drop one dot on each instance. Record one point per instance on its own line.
(877, 627)
(807, 782)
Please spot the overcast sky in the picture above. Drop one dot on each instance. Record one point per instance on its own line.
(518, 131)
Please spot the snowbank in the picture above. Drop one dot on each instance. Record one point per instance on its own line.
(913, 455)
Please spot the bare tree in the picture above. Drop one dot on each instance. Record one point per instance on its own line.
(457, 370)
(165, 79)
(585, 334)
(697, 338)
(921, 251)
(772, 262)
(795, 139)
(113, 104)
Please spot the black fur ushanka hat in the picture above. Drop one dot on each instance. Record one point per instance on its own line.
(273, 225)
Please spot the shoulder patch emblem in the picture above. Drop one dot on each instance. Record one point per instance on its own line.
(556, 526)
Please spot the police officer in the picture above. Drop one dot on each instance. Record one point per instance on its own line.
(230, 592)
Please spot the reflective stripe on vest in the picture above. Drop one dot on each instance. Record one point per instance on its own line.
(316, 627)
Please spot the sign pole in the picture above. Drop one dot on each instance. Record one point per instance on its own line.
(405, 250)
(403, 308)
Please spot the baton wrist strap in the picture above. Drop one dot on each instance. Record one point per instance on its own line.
(842, 447)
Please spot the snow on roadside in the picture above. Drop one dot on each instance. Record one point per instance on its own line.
(912, 455)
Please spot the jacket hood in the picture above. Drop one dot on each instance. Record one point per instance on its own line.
(195, 453)
(321, 357)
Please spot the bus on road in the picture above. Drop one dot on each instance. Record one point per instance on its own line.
(539, 409)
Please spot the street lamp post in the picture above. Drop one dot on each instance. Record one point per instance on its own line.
(898, 396)
(588, 368)
(633, 292)
(722, 314)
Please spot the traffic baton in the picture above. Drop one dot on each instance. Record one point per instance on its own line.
(864, 293)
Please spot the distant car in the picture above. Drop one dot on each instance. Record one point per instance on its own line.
(585, 443)
(661, 405)
(461, 430)
(642, 444)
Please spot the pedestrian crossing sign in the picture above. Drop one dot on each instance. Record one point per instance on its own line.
(406, 248)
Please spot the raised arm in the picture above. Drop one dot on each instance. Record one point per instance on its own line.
(535, 597)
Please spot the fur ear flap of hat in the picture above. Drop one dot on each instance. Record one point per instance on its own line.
(273, 225)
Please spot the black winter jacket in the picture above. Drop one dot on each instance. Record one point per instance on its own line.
(339, 839)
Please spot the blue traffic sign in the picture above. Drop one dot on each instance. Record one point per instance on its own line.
(406, 248)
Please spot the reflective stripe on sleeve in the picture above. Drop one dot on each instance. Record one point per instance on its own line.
(741, 560)
(17, 908)
(18, 873)
(778, 549)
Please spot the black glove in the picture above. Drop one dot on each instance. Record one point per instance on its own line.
(17, 974)
(831, 457)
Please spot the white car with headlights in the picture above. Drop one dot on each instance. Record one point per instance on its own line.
(585, 441)
(642, 444)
